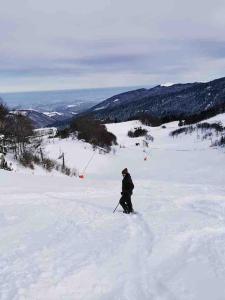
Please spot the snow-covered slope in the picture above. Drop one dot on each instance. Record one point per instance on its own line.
(60, 239)
(218, 118)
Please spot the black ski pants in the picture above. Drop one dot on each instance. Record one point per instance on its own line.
(125, 202)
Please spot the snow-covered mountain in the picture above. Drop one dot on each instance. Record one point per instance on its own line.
(58, 105)
(63, 101)
(38, 119)
(44, 119)
(165, 102)
(61, 240)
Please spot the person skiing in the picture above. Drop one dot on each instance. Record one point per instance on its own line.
(127, 190)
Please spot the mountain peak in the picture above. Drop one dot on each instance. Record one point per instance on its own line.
(166, 84)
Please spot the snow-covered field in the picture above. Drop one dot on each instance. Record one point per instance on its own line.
(60, 239)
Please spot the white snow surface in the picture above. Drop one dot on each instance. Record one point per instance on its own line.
(61, 241)
(167, 84)
(72, 105)
(100, 108)
(218, 118)
(52, 113)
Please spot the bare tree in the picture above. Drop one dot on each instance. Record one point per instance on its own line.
(18, 130)
(3, 114)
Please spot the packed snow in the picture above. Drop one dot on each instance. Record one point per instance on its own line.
(60, 239)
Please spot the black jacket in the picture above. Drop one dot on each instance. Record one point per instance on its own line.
(127, 185)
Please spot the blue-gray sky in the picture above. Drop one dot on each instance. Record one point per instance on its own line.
(55, 44)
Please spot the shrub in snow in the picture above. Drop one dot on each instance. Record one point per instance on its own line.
(207, 136)
(181, 123)
(185, 130)
(218, 127)
(49, 164)
(29, 160)
(149, 137)
(26, 159)
(137, 132)
(93, 132)
(64, 133)
(220, 142)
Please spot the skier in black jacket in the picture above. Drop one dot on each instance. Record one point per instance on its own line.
(127, 190)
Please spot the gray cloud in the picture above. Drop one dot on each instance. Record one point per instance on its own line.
(77, 44)
(209, 48)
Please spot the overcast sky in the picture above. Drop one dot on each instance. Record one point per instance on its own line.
(60, 44)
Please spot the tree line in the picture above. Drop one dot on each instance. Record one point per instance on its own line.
(16, 129)
(91, 131)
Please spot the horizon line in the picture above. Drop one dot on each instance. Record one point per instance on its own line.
(76, 89)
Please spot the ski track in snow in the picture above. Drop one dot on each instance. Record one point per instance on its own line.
(59, 247)
(61, 241)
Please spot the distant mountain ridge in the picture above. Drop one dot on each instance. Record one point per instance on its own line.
(59, 105)
(190, 101)
(38, 119)
(163, 102)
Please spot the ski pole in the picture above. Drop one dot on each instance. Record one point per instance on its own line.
(116, 207)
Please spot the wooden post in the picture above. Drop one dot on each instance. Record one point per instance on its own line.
(63, 161)
(42, 158)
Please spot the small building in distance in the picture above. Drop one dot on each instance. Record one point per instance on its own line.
(47, 131)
